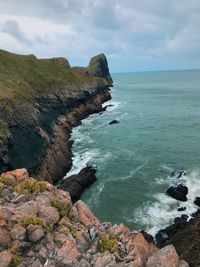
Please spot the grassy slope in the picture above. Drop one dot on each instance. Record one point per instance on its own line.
(22, 78)
(20, 75)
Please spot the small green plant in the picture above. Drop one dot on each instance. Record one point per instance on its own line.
(32, 220)
(30, 186)
(57, 204)
(63, 231)
(49, 228)
(63, 213)
(7, 181)
(15, 260)
(107, 243)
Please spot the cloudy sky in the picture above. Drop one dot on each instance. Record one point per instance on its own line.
(136, 35)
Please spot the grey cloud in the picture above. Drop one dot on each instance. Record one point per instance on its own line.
(147, 32)
(11, 27)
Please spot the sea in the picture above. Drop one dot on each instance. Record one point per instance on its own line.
(158, 133)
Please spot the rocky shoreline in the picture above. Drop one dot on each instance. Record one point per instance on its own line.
(39, 226)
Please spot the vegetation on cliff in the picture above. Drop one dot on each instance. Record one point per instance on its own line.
(34, 94)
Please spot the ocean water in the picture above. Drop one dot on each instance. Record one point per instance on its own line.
(158, 132)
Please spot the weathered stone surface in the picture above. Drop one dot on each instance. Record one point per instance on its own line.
(5, 258)
(103, 260)
(182, 263)
(49, 214)
(18, 232)
(35, 232)
(86, 217)
(4, 238)
(166, 257)
(19, 174)
(68, 252)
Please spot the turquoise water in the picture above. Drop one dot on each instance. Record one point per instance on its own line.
(159, 131)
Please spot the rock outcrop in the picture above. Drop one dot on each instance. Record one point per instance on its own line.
(77, 183)
(40, 101)
(39, 226)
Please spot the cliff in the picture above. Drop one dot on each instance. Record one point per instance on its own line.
(39, 226)
(40, 101)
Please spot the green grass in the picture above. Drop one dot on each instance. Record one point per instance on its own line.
(107, 243)
(21, 75)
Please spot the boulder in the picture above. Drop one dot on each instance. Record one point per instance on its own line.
(178, 192)
(77, 183)
(113, 122)
(166, 257)
(18, 232)
(49, 214)
(181, 209)
(35, 232)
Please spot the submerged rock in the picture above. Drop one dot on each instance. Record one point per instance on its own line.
(177, 174)
(178, 192)
(113, 122)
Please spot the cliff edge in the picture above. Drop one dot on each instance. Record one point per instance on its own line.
(40, 101)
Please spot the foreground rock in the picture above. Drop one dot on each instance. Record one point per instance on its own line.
(178, 192)
(187, 242)
(77, 183)
(46, 229)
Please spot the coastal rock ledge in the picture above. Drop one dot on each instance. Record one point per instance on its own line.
(39, 226)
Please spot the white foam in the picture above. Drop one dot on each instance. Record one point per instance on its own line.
(161, 213)
(82, 160)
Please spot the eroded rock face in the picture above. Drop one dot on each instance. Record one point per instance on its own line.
(98, 67)
(47, 229)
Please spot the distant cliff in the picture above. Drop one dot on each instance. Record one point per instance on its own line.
(40, 101)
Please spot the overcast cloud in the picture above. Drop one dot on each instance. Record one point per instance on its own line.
(135, 35)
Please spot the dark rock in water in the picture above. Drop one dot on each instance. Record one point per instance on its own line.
(197, 201)
(77, 183)
(178, 192)
(113, 122)
(169, 231)
(149, 238)
(181, 209)
(177, 174)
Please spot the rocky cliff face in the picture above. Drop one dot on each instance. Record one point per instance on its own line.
(39, 226)
(40, 102)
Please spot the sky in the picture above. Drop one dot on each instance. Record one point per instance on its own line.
(135, 35)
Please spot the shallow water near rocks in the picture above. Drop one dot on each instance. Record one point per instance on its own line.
(158, 132)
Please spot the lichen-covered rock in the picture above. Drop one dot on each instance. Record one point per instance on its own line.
(4, 238)
(49, 214)
(166, 257)
(46, 229)
(35, 232)
(18, 232)
(5, 258)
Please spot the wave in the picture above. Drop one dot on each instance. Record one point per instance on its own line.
(160, 213)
